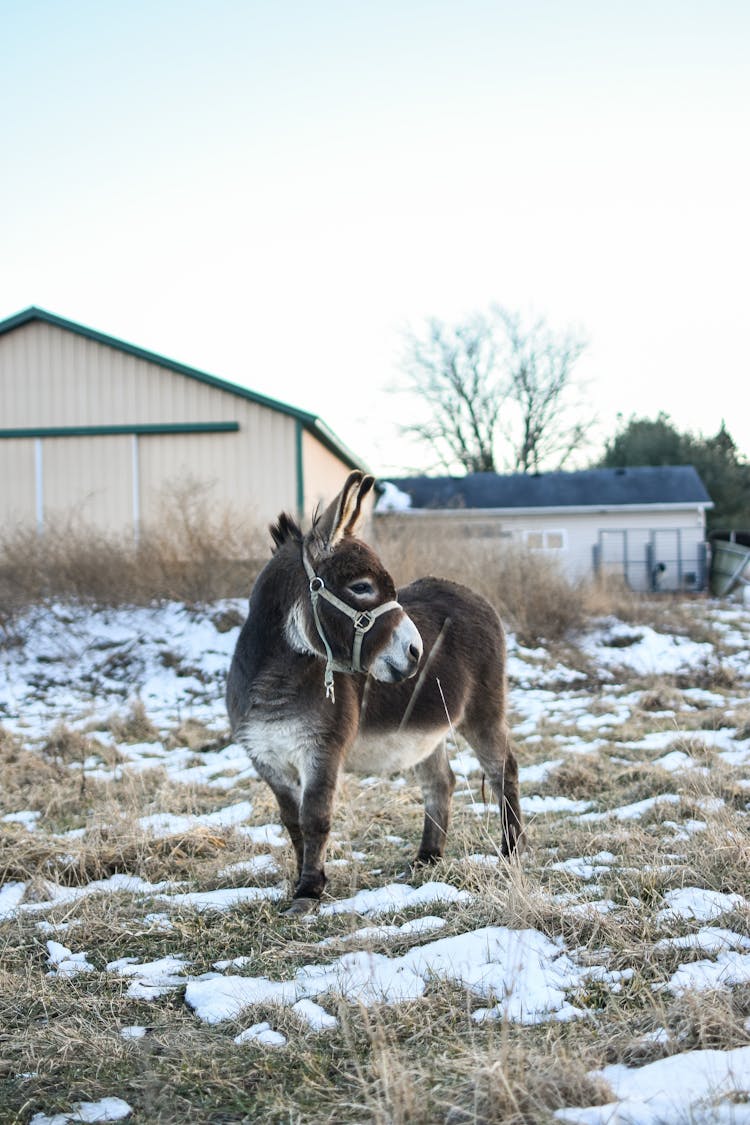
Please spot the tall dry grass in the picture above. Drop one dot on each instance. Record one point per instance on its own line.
(194, 552)
(528, 589)
(197, 552)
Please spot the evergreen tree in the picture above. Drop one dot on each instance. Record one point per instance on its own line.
(644, 441)
(723, 470)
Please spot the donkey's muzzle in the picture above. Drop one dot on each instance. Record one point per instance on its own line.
(414, 655)
(400, 657)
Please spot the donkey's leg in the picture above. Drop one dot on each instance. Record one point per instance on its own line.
(491, 742)
(288, 796)
(316, 813)
(436, 778)
(289, 808)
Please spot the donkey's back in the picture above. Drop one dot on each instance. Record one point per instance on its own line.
(460, 684)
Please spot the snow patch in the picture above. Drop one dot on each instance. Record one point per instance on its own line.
(523, 973)
(699, 904)
(106, 1109)
(703, 1087)
(64, 962)
(263, 1034)
(391, 498)
(396, 896)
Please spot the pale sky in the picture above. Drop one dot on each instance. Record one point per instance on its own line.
(274, 192)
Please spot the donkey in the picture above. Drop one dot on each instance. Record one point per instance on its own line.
(410, 665)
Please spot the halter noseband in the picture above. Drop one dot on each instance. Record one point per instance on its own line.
(363, 619)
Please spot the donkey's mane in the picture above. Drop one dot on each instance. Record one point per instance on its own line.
(285, 529)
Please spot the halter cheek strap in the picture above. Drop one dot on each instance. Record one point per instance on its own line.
(363, 621)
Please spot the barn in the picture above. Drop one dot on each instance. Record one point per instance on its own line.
(646, 525)
(97, 429)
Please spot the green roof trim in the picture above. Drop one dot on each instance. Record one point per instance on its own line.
(310, 422)
(133, 428)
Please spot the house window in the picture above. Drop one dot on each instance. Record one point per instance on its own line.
(552, 540)
(486, 531)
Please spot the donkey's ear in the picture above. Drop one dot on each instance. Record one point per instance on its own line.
(355, 519)
(343, 514)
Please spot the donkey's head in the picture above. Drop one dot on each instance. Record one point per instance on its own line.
(351, 615)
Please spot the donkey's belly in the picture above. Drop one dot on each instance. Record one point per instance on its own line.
(391, 751)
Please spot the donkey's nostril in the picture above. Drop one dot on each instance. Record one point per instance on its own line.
(415, 652)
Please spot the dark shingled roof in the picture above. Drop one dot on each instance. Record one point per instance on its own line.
(598, 488)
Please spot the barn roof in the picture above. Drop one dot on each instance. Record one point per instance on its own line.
(652, 486)
(310, 422)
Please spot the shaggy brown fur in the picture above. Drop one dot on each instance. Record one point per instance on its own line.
(394, 714)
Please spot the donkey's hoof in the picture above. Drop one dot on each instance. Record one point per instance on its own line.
(301, 907)
(414, 866)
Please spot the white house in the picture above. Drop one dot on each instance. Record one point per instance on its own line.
(645, 524)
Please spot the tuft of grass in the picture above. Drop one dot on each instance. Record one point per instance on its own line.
(66, 745)
(132, 726)
(711, 1020)
(663, 696)
(194, 734)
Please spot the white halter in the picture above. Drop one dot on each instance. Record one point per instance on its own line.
(363, 619)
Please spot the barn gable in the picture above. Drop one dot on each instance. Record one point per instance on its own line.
(96, 427)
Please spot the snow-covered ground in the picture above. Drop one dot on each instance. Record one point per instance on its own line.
(69, 665)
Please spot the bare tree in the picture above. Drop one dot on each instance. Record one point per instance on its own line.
(497, 393)
(539, 368)
(454, 371)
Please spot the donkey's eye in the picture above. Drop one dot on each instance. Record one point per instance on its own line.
(362, 589)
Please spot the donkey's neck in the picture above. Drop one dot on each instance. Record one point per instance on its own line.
(275, 622)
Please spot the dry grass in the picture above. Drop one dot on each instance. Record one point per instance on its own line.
(197, 553)
(194, 553)
(527, 589)
(420, 1063)
(133, 725)
(417, 1063)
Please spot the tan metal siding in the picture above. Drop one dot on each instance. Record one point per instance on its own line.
(262, 474)
(89, 479)
(51, 377)
(250, 473)
(323, 473)
(17, 482)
